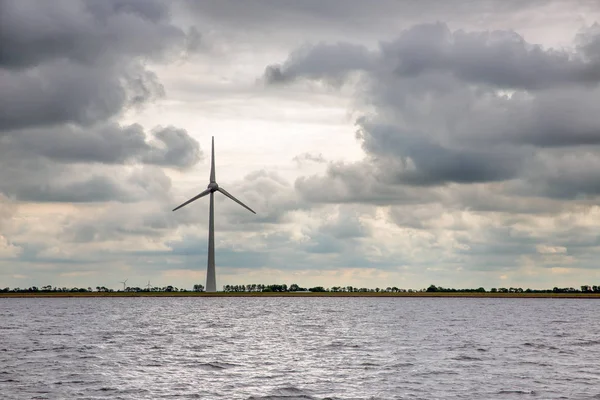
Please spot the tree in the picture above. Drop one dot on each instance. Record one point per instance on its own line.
(198, 287)
(432, 288)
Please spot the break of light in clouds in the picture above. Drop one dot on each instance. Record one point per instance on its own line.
(454, 143)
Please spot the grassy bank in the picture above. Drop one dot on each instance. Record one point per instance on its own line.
(292, 294)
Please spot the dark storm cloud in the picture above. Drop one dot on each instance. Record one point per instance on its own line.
(81, 61)
(68, 70)
(322, 61)
(499, 58)
(563, 175)
(84, 31)
(554, 118)
(59, 92)
(433, 164)
(341, 19)
(458, 107)
(109, 143)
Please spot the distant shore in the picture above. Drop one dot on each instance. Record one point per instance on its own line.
(292, 294)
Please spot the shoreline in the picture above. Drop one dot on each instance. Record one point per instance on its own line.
(316, 294)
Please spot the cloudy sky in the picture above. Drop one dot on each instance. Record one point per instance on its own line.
(395, 143)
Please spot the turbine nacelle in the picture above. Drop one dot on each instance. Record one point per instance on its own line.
(213, 186)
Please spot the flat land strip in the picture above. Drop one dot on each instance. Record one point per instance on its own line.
(293, 294)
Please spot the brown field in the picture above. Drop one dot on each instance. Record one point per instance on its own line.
(291, 294)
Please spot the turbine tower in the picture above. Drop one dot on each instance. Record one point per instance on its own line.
(211, 280)
(124, 282)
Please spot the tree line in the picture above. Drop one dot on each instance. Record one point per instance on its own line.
(54, 289)
(582, 289)
(251, 288)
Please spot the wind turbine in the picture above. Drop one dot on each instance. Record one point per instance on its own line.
(148, 286)
(124, 282)
(211, 280)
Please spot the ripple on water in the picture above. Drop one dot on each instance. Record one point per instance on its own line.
(289, 348)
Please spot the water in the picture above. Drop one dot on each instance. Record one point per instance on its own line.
(299, 348)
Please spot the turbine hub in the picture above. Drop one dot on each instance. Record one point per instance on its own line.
(212, 186)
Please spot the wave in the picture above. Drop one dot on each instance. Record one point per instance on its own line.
(214, 366)
(529, 392)
(285, 393)
(466, 358)
(585, 343)
(540, 346)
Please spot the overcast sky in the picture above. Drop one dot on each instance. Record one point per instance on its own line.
(388, 143)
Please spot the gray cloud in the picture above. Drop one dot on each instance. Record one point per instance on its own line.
(68, 71)
(460, 108)
(338, 242)
(81, 61)
(7, 209)
(322, 61)
(359, 182)
(92, 189)
(346, 225)
(86, 32)
(312, 20)
(175, 148)
(563, 175)
(425, 163)
(500, 58)
(108, 143)
(59, 92)
(151, 219)
(473, 139)
(267, 193)
(309, 157)
(45, 181)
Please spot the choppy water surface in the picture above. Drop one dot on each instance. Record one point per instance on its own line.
(299, 348)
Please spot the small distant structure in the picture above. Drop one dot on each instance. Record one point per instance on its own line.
(124, 282)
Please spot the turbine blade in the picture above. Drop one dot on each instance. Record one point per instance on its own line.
(212, 161)
(226, 193)
(207, 191)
